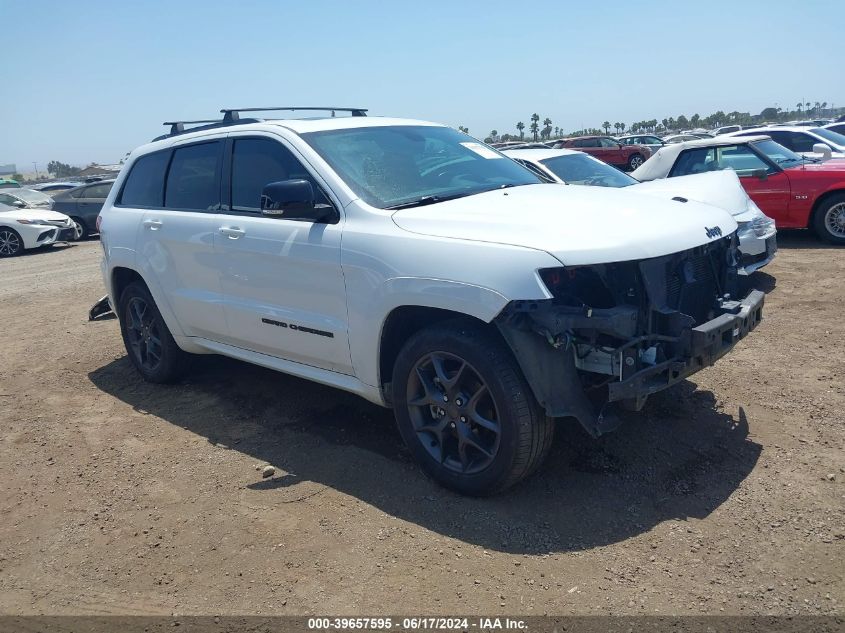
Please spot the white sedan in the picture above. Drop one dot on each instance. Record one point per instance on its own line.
(810, 142)
(757, 241)
(22, 229)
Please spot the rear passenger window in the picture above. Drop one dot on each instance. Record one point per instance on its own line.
(257, 162)
(144, 186)
(192, 181)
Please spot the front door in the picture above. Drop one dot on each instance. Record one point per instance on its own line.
(283, 285)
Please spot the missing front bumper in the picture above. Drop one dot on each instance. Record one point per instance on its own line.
(708, 342)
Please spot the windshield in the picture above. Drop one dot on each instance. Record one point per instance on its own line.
(29, 195)
(581, 169)
(829, 135)
(411, 165)
(779, 154)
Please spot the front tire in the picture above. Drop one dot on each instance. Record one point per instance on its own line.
(80, 231)
(634, 161)
(148, 341)
(11, 243)
(465, 411)
(829, 219)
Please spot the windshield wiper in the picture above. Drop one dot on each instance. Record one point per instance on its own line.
(426, 200)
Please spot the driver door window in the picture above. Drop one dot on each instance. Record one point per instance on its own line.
(256, 162)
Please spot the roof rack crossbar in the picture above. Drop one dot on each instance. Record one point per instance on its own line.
(232, 114)
(176, 127)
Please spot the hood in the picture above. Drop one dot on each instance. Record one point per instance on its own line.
(577, 225)
(39, 213)
(717, 188)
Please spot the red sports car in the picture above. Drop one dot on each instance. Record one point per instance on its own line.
(796, 192)
(608, 150)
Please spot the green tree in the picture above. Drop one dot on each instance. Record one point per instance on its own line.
(799, 105)
(769, 114)
(606, 126)
(521, 129)
(695, 120)
(622, 127)
(535, 125)
(547, 128)
(683, 122)
(61, 170)
(494, 135)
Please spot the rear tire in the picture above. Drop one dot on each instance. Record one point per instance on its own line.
(148, 341)
(829, 219)
(634, 161)
(11, 243)
(465, 411)
(80, 230)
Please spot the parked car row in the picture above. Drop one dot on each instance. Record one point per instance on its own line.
(796, 191)
(74, 210)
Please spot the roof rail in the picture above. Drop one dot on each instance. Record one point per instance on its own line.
(232, 114)
(177, 127)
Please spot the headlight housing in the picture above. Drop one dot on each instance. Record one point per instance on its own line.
(756, 224)
(36, 222)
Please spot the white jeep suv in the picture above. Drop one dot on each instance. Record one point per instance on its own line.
(408, 263)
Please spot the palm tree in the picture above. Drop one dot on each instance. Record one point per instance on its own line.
(606, 126)
(520, 127)
(493, 135)
(818, 107)
(547, 127)
(799, 105)
(622, 127)
(824, 105)
(535, 124)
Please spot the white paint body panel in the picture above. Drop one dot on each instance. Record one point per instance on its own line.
(471, 256)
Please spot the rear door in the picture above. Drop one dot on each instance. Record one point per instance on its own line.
(610, 152)
(283, 284)
(176, 241)
(90, 202)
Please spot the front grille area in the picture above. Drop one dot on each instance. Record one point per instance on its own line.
(46, 235)
(692, 281)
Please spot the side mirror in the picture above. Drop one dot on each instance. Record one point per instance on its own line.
(824, 150)
(762, 174)
(295, 200)
(288, 198)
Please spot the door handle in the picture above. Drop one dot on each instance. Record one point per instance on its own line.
(232, 232)
(153, 225)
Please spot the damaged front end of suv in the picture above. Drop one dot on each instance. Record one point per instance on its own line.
(618, 332)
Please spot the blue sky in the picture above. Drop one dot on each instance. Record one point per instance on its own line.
(89, 81)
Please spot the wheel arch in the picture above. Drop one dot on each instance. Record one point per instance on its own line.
(121, 277)
(401, 324)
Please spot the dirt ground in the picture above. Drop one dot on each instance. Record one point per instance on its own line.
(724, 496)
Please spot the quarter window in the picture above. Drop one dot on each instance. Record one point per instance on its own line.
(192, 181)
(256, 162)
(144, 186)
